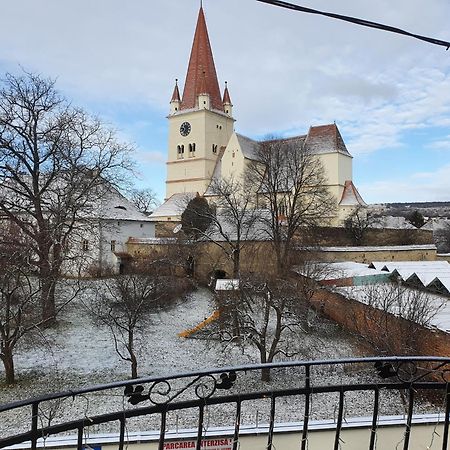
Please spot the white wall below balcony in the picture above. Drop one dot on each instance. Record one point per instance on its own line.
(355, 435)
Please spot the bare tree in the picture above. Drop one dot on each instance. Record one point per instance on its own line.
(290, 182)
(237, 222)
(412, 308)
(144, 199)
(265, 315)
(358, 223)
(233, 221)
(20, 298)
(54, 161)
(124, 305)
(442, 238)
(19, 295)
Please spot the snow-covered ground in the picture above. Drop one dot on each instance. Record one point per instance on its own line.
(82, 354)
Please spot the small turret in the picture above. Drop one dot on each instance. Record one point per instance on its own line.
(227, 105)
(175, 102)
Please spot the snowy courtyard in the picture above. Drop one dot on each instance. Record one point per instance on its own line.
(79, 352)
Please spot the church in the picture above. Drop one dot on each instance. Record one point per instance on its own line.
(203, 144)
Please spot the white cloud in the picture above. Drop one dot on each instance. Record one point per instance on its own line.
(441, 144)
(286, 70)
(421, 186)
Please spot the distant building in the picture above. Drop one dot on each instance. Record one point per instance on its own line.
(204, 145)
(99, 246)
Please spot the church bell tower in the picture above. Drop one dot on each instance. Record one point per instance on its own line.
(200, 122)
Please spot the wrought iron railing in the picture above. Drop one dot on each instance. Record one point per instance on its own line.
(159, 398)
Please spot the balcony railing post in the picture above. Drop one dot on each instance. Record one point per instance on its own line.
(80, 438)
(337, 437)
(122, 433)
(162, 431)
(272, 422)
(237, 426)
(447, 417)
(373, 431)
(201, 413)
(307, 407)
(34, 424)
(409, 418)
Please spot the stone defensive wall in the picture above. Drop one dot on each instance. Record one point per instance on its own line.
(259, 256)
(367, 322)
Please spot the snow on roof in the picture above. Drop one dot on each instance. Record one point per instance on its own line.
(436, 224)
(114, 206)
(319, 140)
(444, 281)
(249, 147)
(385, 248)
(441, 319)
(227, 285)
(173, 206)
(425, 278)
(339, 270)
(103, 201)
(429, 273)
(325, 139)
(393, 222)
(419, 265)
(161, 240)
(351, 196)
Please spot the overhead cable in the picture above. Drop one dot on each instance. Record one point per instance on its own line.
(362, 22)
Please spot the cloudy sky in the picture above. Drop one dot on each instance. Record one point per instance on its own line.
(389, 94)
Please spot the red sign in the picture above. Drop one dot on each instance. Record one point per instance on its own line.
(207, 444)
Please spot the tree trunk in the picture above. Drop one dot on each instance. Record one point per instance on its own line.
(134, 373)
(48, 286)
(265, 372)
(8, 363)
(236, 263)
(133, 358)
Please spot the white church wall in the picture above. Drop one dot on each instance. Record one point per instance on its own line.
(338, 167)
(95, 245)
(233, 161)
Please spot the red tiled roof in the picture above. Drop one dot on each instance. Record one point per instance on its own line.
(326, 137)
(351, 196)
(203, 88)
(226, 95)
(176, 93)
(201, 62)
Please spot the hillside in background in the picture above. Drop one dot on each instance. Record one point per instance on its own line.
(427, 209)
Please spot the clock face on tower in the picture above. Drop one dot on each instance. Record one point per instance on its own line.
(185, 128)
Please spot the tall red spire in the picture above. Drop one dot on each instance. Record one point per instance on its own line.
(201, 74)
